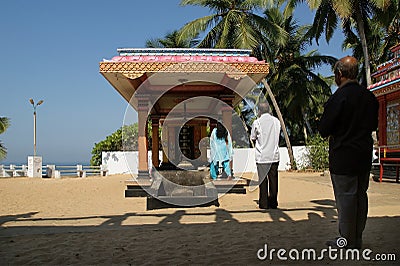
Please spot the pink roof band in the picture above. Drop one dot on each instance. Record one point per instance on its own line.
(186, 58)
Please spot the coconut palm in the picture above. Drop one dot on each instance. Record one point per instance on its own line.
(389, 21)
(299, 90)
(382, 32)
(233, 24)
(352, 12)
(4, 124)
(377, 46)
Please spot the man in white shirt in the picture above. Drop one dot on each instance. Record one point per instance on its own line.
(265, 133)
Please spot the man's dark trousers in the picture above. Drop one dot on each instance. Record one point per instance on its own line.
(268, 175)
(352, 205)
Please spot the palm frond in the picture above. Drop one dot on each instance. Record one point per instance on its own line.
(217, 5)
(256, 4)
(384, 4)
(3, 151)
(271, 28)
(211, 38)
(192, 29)
(325, 20)
(289, 7)
(4, 124)
(344, 8)
(246, 37)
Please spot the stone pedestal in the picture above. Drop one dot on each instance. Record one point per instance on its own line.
(34, 166)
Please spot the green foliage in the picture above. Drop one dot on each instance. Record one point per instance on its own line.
(130, 137)
(294, 80)
(231, 24)
(4, 124)
(124, 139)
(317, 153)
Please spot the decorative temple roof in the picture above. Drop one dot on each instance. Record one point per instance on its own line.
(140, 60)
(387, 76)
(133, 66)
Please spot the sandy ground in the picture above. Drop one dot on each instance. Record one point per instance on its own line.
(88, 221)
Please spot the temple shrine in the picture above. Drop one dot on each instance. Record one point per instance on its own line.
(182, 93)
(387, 90)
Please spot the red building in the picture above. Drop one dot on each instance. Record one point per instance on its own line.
(387, 90)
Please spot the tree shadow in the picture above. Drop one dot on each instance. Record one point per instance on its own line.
(230, 238)
(8, 218)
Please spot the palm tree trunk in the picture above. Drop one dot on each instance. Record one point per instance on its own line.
(278, 112)
(360, 25)
(307, 125)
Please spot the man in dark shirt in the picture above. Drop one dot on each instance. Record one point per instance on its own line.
(350, 116)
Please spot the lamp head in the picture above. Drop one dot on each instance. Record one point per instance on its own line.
(40, 102)
(31, 101)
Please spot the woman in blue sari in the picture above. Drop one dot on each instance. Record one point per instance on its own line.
(221, 151)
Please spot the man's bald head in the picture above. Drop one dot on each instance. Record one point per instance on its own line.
(263, 108)
(346, 67)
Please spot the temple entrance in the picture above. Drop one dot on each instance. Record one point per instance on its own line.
(186, 142)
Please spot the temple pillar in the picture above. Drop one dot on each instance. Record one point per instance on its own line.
(155, 141)
(164, 141)
(172, 144)
(143, 167)
(213, 124)
(203, 146)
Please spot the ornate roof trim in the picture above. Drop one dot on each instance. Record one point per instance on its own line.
(384, 83)
(387, 88)
(170, 67)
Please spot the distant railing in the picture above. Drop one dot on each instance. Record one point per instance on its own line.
(55, 171)
(13, 170)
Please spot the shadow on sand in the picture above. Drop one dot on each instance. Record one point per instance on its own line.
(224, 241)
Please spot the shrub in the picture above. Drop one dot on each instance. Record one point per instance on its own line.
(317, 157)
(124, 139)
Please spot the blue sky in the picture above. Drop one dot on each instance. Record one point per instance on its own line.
(50, 51)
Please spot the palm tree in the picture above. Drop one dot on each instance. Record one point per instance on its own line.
(4, 124)
(352, 12)
(382, 32)
(390, 22)
(298, 89)
(378, 48)
(233, 24)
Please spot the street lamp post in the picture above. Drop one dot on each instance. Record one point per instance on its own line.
(34, 122)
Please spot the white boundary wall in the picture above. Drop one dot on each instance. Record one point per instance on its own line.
(118, 162)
